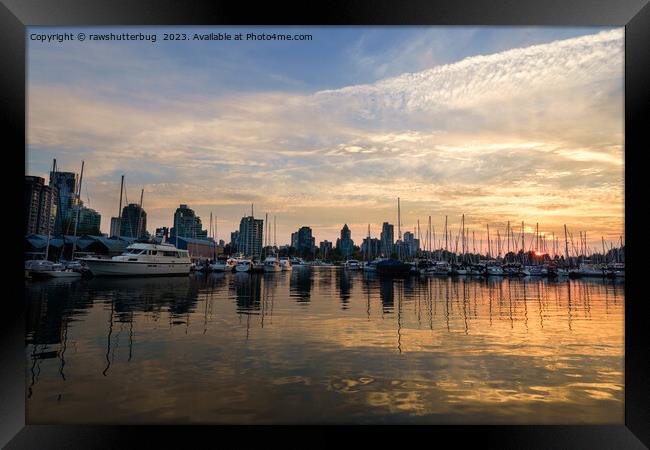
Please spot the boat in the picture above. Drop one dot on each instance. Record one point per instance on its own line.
(372, 265)
(63, 273)
(321, 263)
(475, 270)
(588, 271)
(393, 267)
(41, 265)
(203, 266)
(244, 265)
(414, 267)
(285, 264)
(352, 264)
(561, 272)
(295, 261)
(142, 259)
(515, 270)
(616, 270)
(257, 267)
(271, 264)
(493, 270)
(440, 268)
(537, 271)
(457, 270)
(227, 265)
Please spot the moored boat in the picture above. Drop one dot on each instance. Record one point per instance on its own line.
(285, 264)
(440, 268)
(352, 264)
(244, 265)
(63, 273)
(393, 267)
(271, 264)
(142, 259)
(227, 265)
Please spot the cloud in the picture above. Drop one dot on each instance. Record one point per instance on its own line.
(532, 133)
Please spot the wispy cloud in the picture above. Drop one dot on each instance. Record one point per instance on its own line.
(533, 133)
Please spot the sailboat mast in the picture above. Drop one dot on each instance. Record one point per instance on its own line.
(419, 235)
(429, 243)
(446, 249)
(266, 229)
(498, 243)
(368, 245)
(463, 235)
(49, 212)
(140, 215)
(489, 245)
(119, 211)
(399, 229)
(566, 245)
(76, 222)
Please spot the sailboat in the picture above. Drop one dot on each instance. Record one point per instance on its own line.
(370, 266)
(394, 266)
(67, 271)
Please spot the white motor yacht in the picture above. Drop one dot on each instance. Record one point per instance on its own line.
(271, 264)
(224, 266)
(285, 263)
(244, 265)
(142, 259)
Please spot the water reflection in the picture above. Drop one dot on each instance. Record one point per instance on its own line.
(358, 347)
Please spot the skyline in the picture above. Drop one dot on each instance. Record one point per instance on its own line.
(454, 123)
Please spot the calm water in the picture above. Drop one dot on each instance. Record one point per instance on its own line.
(324, 346)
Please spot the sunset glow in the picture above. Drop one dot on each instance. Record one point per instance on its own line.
(531, 131)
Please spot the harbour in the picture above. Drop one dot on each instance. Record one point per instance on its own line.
(393, 225)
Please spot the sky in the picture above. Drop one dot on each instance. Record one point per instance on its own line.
(497, 123)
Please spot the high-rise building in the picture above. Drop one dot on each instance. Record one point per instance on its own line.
(133, 221)
(187, 224)
(162, 233)
(251, 231)
(345, 243)
(325, 248)
(40, 206)
(303, 241)
(89, 222)
(66, 185)
(234, 241)
(372, 248)
(116, 226)
(387, 239)
(411, 245)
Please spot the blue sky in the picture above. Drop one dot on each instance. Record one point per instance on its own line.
(356, 108)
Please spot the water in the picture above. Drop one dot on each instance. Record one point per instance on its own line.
(322, 345)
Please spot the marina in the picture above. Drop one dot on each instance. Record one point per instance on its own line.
(388, 225)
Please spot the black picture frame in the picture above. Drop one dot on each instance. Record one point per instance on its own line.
(634, 15)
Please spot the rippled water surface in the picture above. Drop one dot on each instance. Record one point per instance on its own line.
(322, 345)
